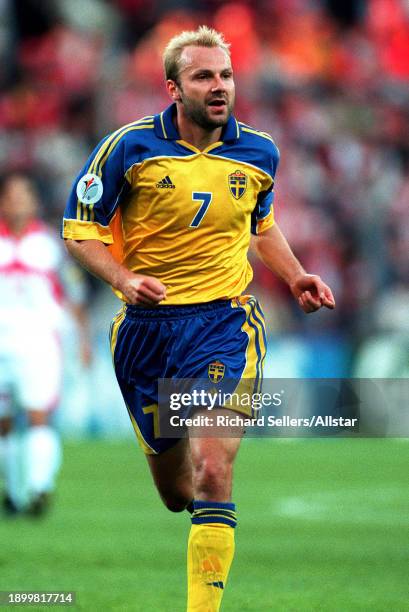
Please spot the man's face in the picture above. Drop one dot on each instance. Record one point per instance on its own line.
(18, 203)
(205, 87)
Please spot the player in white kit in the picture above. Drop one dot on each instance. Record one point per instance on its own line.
(33, 296)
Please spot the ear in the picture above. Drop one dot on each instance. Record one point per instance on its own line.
(173, 90)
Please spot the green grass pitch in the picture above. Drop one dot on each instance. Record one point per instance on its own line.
(323, 525)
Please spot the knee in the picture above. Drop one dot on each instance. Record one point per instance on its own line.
(213, 478)
(6, 426)
(175, 503)
(37, 418)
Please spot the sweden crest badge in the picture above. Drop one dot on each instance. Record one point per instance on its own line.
(237, 184)
(216, 371)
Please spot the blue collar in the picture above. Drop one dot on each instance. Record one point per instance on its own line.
(166, 129)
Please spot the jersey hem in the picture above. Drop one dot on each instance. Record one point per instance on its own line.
(266, 223)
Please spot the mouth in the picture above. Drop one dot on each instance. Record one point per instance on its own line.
(218, 104)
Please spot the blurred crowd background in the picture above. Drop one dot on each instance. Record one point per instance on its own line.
(328, 79)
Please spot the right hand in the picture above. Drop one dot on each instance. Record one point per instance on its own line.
(312, 293)
(141, 290)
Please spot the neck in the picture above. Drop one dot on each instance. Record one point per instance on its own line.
(17, 226)
(195, 135)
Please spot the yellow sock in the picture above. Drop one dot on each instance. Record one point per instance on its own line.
(210, 554)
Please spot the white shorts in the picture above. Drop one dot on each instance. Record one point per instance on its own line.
(30, 371)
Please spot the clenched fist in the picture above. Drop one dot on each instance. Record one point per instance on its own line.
(141, 290)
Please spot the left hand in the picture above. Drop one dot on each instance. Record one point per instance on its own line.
(312, 293)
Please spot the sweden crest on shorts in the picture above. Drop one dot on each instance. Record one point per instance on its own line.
(216, 371)
(237, 184)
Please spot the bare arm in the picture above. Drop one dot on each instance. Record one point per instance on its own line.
(308, 289)
(96, 258)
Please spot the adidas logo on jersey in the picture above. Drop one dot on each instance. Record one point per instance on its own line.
(165, 183)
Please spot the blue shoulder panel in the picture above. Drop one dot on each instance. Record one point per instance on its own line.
(255, 148)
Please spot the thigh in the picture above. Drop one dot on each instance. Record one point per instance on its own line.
(138, 349)
(172, 471)
(139, 345)
(143, 411)
(39, 371)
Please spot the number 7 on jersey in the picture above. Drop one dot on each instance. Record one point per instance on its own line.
(205, 197)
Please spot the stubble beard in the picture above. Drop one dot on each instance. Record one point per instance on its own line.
(197, 112)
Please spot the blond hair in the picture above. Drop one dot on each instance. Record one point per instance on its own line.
(202, 37)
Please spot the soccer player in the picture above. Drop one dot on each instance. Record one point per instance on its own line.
(32, 282)
(177, 196)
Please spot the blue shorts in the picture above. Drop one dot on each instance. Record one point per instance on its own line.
(225, 338)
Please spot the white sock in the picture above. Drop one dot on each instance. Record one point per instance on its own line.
(42, 459)
(12, 467)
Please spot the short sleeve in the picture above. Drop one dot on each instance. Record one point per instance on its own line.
(96, 194)
(263, 214)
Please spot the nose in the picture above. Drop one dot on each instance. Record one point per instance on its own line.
(218, 83)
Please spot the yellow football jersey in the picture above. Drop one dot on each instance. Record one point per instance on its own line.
(173, 212)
